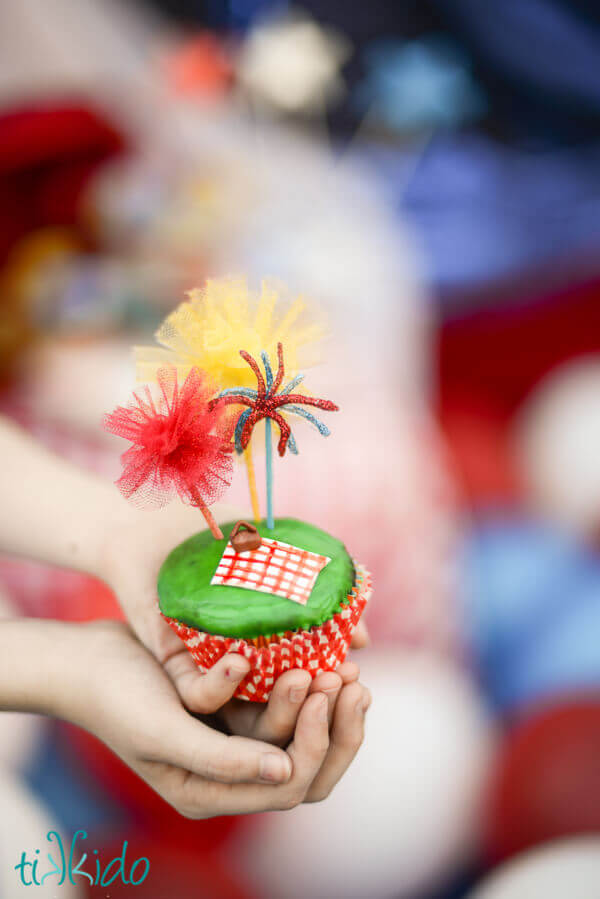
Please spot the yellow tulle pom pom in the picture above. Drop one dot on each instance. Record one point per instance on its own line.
(222, 318)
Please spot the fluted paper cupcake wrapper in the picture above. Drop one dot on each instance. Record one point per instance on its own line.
(322, 648)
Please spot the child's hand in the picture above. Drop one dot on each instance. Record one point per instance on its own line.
(200, 771)
(100, 677)
(347, 703)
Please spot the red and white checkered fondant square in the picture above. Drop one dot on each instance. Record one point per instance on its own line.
(274, 567)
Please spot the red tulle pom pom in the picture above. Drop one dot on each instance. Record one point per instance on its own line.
(179, 444)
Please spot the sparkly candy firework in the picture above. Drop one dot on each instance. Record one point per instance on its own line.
(266, 402)
(180, 445)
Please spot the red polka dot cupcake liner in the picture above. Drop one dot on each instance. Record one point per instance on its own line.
(320, 649)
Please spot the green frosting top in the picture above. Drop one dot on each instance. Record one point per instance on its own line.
(185, 591)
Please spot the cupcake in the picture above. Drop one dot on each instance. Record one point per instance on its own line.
(292, 601)
(280, 592)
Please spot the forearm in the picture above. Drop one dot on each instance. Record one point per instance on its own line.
(41, 667)
(54, 512)
(51, 510)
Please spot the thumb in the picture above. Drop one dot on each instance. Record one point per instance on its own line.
(205, 693)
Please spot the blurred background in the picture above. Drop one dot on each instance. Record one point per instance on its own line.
(429, 172)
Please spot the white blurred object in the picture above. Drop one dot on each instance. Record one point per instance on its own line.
(92, 46)
(24, 821)
(569, 868)
(558, 445)
(406, 814)
(20, 735)
(76, 383)
(327, 231)
(293, 64)
(24, 824)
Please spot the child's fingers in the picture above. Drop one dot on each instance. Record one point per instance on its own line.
(276, 723)
(346, 738)
(190, 745)
(348, 671)
(360, 637)
(204, 694)
(329, 683)
(308, 751)
(240, 717)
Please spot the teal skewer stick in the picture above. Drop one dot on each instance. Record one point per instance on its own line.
(269, 459)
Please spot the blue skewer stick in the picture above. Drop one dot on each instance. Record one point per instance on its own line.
(269, 458)
(269, 446)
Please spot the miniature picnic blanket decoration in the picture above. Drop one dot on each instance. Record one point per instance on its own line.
(274, 567)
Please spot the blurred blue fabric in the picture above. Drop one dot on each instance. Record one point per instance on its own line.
(522, 194)
(544, 50)
(485, 212)
(75, 799)
(531, 613)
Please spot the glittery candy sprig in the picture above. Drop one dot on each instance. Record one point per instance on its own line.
(268, 402)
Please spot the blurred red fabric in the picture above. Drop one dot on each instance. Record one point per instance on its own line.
(47, 153)
(489, 360)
